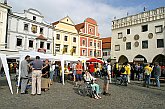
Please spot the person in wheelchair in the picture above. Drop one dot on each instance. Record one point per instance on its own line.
(91, 80)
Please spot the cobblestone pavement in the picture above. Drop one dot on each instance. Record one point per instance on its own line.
(134, 96)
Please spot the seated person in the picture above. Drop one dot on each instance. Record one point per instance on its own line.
(95, 87)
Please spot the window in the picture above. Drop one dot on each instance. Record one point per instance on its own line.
(57, 47)
(128, 46)
(30, 43)
(98, 45)
(117, 47)
(84, 52)
(120, 35)
(41, 30)
(65, 48)
(41, 44)
(91, 53)
(91, 30)
(83, 43)
(19, 42)
(144, 28)
(34, 17)
(74, 39)
(26, 27)
(95, 45)
(159, 29)
(90, 43)
(128, 31)
(98, 53)
(58, 36)
(160, 43)
(105, 54)
(144, 44)
(74, 49)
(66, 38)
(48, 46)
(95, 53)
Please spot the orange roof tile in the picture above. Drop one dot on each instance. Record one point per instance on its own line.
(106, 43)
(90, 20)
(41, 37)
(79, 26)
(55, 23)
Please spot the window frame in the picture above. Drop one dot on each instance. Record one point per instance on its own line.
(142, 28)
(74, 39)
(120, 35)
(143, 44)
(57, 36)
(41, 30)
(161, 28)
(66, 38)
(117, 47)
(128, 32)
(30, 44)
(17, 42)
(57, 49)
(158, 44)
(26, 28)
(48, 47)
(127, 43)
(41, 43)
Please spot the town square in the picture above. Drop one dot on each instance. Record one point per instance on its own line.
(82, 54)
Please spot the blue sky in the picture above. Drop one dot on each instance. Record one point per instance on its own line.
(103, 11)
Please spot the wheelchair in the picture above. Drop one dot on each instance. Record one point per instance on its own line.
(86, 89)
(121, 80)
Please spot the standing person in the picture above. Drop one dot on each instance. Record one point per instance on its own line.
(128, 72)
(106, 74)
(74, 71)
(37, 66)
(147, 73)
(24, 74)
(157, 73)
(45, 81)
(78, 72)
(91, 68)
(52, 68)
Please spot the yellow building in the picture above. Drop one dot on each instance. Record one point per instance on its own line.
(66, 38)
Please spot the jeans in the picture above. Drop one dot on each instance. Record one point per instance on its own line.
(95, 87)
(147, 80)
(157, 81)
(51, 75)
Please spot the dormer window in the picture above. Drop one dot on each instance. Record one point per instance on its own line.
(34, 18)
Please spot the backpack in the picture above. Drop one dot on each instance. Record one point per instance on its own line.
(122, 70)
(104, 70)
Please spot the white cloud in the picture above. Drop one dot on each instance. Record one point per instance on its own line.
(78, 10)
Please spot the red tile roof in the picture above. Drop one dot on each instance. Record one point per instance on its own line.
(41, 37)
(90, 20)
(79, 26)
(106, 43)
(55, 23)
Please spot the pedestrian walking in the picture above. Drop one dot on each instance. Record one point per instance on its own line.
(24, 74)
(78, 72)
(37, 66)
(157, 73)
(107, 76)
(147, 73)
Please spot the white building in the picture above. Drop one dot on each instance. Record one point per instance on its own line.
(139, 37)
(27, 31)
(3, 23)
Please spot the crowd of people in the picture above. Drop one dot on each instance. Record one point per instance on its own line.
(42, 74)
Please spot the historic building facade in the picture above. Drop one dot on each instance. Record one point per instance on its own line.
(106, 48)
(66, 37)
(29, 32)
(4, 8)
(90, 41)
(139, 37)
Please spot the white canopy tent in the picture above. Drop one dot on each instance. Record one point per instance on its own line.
(32, 55)
(3, 61)
(64, 58)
